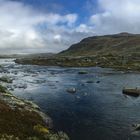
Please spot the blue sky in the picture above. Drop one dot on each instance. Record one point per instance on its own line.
(32, 26)
(81, 7)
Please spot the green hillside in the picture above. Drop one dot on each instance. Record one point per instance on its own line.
(118, 44)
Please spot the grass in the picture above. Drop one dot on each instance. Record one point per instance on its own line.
(3, 89)
(18, 123)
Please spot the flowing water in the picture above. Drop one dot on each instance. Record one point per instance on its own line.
(97, 111)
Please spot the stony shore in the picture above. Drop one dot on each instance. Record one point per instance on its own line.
(23, 120)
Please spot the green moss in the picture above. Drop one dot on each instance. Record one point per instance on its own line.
(33, 138)
(41, 129)
(8, 137)
(6, 79)
(3, 89)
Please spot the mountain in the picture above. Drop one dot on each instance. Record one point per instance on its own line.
(118, 51)
(118, 44)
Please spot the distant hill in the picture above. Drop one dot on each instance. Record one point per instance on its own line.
(36, 55)
(118, 44)
(119, 51)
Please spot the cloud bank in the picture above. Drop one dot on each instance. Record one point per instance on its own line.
(24, 29)
(20, 24)
(117, 16)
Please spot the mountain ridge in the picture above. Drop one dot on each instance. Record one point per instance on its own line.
(122, 43)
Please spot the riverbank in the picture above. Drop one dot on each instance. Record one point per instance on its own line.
(21, 119)
(126, 63)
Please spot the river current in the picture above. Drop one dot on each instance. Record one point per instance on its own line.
(97, 111)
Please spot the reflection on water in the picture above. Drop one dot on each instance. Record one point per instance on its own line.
(98, 110)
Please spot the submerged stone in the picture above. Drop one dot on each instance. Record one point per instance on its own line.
(90, 81)
(98, 82)
(24, 86)
(82, 72)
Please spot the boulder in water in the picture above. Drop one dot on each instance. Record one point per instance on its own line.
(71, 90)
(131, 92)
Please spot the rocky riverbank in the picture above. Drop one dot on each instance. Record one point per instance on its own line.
(22, 119)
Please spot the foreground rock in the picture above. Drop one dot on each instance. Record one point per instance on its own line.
(23, 120)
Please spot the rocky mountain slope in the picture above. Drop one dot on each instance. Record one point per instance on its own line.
(118, 44)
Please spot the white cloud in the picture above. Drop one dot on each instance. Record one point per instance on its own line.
(58, 38)
(117, 16)
(18, 28)
(54, 18)
(17, 23)
(83, 28)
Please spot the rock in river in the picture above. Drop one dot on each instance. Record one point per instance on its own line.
(131, 92)
(90, 81)
(82, 72)
(71, 90)
(98, 82)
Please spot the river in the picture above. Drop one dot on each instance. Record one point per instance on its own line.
(97, 111)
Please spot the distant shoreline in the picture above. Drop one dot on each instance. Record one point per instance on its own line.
(127, 63)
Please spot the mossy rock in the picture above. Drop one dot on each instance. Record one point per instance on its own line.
(6, 79)
(3, 89)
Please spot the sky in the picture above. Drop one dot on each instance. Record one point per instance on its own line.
(41, 26)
